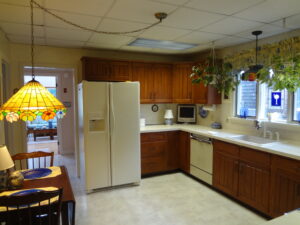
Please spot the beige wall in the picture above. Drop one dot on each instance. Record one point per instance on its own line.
(4, 56)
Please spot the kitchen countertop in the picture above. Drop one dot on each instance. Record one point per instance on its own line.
(292, 218)
(290, 149)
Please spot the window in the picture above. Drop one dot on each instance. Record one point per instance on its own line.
(296, 112)
(262, 102)
(246, 99)
(273, 103)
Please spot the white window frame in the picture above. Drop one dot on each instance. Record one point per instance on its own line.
(259, 107)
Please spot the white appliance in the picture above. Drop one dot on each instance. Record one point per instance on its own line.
(109, 133)
(201, 158)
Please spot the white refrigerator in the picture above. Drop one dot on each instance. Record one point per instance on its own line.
(109, 133)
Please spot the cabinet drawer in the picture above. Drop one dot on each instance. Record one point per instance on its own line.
(156, 149)
(290, 165)
(252, 156)
(152, 137)
(226, 148)
(153, 165)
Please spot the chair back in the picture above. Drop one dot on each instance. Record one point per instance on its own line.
(38, 208)
(33, 160)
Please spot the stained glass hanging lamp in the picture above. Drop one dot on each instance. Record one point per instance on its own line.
(33, 99)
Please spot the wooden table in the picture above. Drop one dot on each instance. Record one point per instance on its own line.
(68, 199)
(51, 132)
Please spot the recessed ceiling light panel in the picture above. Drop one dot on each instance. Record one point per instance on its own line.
(171, 45)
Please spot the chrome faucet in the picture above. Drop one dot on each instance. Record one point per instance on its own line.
(257, 124)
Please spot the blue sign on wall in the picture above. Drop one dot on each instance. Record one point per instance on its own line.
(276, 98)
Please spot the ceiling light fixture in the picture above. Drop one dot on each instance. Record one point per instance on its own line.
(251, 73)
(150, 43)
(159, 15)
(33, 99)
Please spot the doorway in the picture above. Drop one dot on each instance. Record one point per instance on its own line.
(55, 135)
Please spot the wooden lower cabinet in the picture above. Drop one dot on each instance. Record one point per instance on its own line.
(159, 152)
(285, 185)
(242, 173)
(184, 151)
(254, 178)
(225, 171)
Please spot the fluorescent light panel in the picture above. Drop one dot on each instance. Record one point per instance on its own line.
(171, 45)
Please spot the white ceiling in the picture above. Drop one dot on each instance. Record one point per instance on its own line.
(224, 22)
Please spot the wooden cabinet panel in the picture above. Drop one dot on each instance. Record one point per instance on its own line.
(184, 151)
(120, 71)
(162, 83)
(226, 148)
(285, 186)
(94, 69)
(173, 150)
(182, 84)
(225, 173)
(142, 72)
(254, 186)
(159, 152)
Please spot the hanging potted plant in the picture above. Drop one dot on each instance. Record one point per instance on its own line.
(282, 74)
(218, 75)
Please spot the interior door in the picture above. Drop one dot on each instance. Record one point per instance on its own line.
(125, 132)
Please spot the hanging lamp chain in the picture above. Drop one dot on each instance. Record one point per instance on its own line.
(160, 16)
(32, 40)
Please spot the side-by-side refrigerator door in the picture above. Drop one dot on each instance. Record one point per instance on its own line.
(97, 141)
(125, 132)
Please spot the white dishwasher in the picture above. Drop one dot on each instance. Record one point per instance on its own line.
(201, 158)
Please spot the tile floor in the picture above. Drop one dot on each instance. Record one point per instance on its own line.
(172, 199)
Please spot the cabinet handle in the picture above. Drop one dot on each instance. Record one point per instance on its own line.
(241, 169)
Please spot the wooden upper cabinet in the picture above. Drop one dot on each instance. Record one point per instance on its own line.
(182, 84)
(142, 72)
(285, 185)
(162, 83)
(120, 71)
(96, 69)
(155, 81)
(206, 95)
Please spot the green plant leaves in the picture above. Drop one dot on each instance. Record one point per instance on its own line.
(286, 73)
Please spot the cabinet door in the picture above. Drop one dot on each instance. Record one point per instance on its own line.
(94, 69)
(162, 83)
(225, 173)
(182, 84)
(285, 185)
(199, 94)
(254, 186)
(154, 155)
(142, 72)
(173, 150)
(120, 71)
(184, 151)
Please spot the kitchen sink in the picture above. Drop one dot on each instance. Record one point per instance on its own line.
(253, 139)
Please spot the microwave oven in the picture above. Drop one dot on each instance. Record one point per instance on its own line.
(186, 113)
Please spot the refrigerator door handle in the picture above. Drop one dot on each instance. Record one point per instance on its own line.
(112, 108)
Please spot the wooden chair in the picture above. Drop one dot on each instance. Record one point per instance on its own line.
(32, 157)
(35, 208)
